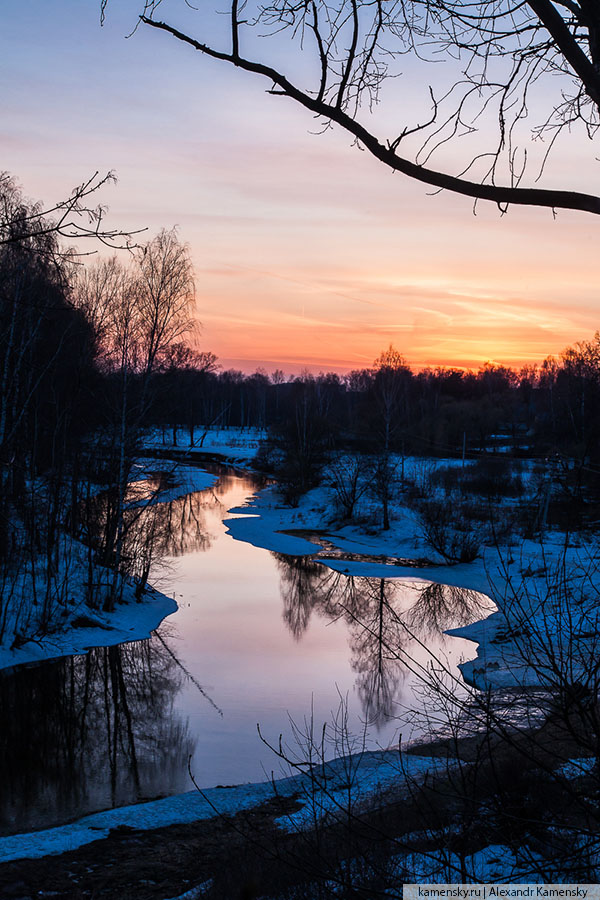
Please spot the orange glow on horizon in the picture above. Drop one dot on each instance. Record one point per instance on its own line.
(308, 252)
(294, 365)
(468, 354)
(344, 322)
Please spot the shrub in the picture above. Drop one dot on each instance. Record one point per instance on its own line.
(489, 477)
(448, 531)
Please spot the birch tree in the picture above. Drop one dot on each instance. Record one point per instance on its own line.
(138, 313)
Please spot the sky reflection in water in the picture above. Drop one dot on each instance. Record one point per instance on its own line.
(269, 636)
(259, 638)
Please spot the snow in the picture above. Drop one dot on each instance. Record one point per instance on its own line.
(501, 661)
(575, 768)
(326, 790)
(184, 479)
(178, 809)
(260, 522)
(520, 578)
(196, 892)
(130, 621)
(75, 626)
(236, 445)
(349, 783)
(494, 864)
(315, 513)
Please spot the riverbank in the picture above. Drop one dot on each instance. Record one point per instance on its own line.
(211, 498)
(82, 628)
(117, 829)
(234, 446)
(294, 834)
(540, 587)
(368, 773)
(46, 617)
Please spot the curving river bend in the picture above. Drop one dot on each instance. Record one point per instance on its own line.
(259, 638)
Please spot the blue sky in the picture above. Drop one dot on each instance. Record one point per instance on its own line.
(306, 250)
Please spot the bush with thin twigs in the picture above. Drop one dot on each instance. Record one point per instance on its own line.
(448, 531)
(491, 477)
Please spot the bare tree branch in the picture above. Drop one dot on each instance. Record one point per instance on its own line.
(74, 218)
(501, 195)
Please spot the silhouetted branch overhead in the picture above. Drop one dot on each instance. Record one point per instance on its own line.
(75, 218)
(498, 52)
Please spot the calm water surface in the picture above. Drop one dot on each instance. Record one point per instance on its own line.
(259, 638)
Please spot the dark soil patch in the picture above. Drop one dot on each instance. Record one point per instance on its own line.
(503, 792)
(145, 865)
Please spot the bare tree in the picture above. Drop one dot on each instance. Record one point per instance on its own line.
(390, 373)
(500, 62)
(513, 762)
(165, 295)
(138, 314)
(349, 474)
(76, 217)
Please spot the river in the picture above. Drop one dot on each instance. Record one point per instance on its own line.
(259, 639)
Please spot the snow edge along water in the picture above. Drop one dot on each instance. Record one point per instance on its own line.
(84, 628)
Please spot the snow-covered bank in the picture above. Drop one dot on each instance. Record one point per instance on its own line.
(85, 628)
(265, 519)
(368, 772)
(181, 479)
(313, 515)
(524, 578)
(235, 445)
(75, 626)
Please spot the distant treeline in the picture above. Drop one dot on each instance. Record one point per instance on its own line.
(94, 353)
(103, 350)
(439, 411)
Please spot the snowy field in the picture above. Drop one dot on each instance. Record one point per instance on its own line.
(237, 445)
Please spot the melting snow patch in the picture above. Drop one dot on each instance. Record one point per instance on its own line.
(575, 768)
(494, 863)
(336, 789)
(325, 790)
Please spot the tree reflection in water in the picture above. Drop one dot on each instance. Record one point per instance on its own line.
(84, 733)
(152, 529)
(387, 620)
(440, 606)
(183, 524)
(88, 732)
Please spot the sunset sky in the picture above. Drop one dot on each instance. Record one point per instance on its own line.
(307, 251)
